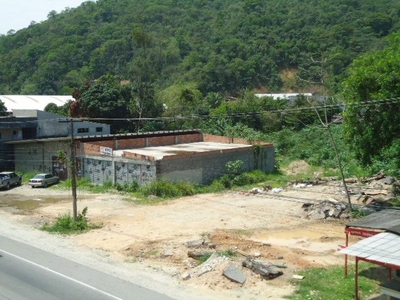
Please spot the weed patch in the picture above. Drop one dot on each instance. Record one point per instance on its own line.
(65, 224)
(329, 283)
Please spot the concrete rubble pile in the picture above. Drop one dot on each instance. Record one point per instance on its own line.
(231, 268)
(366, 194)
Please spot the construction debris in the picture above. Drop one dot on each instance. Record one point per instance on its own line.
(327, 209)
(210, 264)
(266, 271)
(234, 274)
(197, 254)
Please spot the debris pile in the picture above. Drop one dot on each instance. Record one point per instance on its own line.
(265, 270)
(327, 209)
(233, 269)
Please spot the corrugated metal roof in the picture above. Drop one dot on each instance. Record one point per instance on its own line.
(383, 247)
(32, 101)
(388, 220)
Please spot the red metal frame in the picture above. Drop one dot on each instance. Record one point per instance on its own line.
(364, 233)
(357, 232)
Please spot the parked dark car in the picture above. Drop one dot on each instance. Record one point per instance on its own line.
(43, 180)
(8, 179)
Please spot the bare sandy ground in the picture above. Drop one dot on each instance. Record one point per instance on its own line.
(146, 244)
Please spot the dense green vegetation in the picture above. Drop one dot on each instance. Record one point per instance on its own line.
(373, 126)
(220, 46)
(176, 64)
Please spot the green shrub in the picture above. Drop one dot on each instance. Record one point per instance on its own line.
(160, 188)
(358, 212)
(65, 224)
(226, 181)
(234, 167)
(187, 189)
(166, 189)
(215, 187)
(127, 187)
(247, 178)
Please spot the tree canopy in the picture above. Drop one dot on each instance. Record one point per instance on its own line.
(223, 46)
(372, 116)
(3, 108)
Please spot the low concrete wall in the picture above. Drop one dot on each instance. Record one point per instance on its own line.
(104, 169)
(203, 168)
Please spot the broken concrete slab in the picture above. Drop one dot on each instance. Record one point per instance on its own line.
(195, 244)
(185, 276)
(234, 274)
(210, 264)
(168, 253)
(196, 254)
(266, 271)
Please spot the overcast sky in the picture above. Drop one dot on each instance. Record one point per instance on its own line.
(18, 14)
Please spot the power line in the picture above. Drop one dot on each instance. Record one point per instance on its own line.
(360, 104)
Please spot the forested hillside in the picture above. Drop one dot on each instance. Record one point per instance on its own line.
(221, 46)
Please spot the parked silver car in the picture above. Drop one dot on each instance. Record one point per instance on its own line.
(43, 180)
(8, 179)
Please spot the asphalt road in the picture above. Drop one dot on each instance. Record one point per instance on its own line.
(28, 273)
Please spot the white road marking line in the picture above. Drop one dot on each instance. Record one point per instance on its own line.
(62, 275)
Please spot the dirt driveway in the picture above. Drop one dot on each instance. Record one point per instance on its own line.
(269, 226)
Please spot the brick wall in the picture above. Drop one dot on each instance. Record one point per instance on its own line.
(89, 148)
(130, 143)
(160, 140)
(189, 138)
(141, 142)
(228, 140)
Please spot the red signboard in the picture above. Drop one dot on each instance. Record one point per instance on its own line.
(361, 232)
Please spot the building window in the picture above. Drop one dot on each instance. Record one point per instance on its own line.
(99, 129)
(82, 130)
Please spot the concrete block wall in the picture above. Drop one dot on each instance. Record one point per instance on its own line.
(203, 168)
(103, 170)
(98, 171)
(130, 172)
(37, 157)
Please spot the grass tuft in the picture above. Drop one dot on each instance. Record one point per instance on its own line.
(65, 224)
(329, 283)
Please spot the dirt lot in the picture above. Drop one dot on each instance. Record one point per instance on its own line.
(270, 226)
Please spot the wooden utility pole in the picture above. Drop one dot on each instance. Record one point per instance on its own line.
(72, 167)
(73, 173)
(326, 125)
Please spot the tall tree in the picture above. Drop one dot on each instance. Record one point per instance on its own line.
(3, 109)
(372, 121)
(104, 99)
(142, 74)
